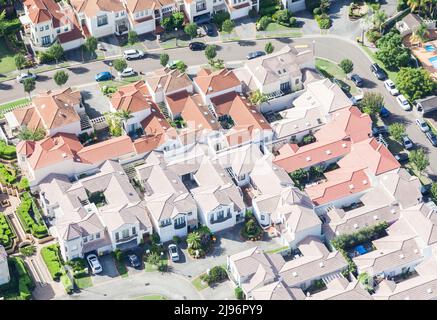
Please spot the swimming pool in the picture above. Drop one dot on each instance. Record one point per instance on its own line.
(430, 48)
(433, 61)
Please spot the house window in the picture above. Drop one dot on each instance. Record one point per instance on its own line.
(262, 218)
(117, 14)
(285, 86)
(66, 28)
(41, 29)
(200, 6)
(117, 236)
(125, 234)
(102, 20)
(58, 30)
(91, 237)
(85, 240)
(134, 231)
(47, 27)
(296, 81)
(45, 40)
(165, 222)
(122, 13)
(98, 235)
(179, 222)
(220, 214)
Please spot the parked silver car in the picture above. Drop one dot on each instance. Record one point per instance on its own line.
(173, 252)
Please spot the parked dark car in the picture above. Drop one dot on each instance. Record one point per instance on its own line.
(378, 71)
(134, 261)
(384, 113)
(425, 189)
(432, 138)
(402, 157)
(197, 46)
(255, 54)
(357, 80)
(377, 130)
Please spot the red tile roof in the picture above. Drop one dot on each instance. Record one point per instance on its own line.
(212, 82)
(131, 98)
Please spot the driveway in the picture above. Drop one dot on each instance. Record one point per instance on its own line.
(111, 45)
(109, 270)
(245, 28)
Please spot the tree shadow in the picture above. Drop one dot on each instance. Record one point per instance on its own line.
(42, 78)
(78, 70)
(246, 43)
(5, 86)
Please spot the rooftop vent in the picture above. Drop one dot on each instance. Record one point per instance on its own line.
(351, 186)
(328, 152)
(393, 211)
(364, 181)
(375, 217)
(429, 290)
(344, 145)
(307, 124)
(321, 265)
(416, 251)
(308, 158)
(296, 126)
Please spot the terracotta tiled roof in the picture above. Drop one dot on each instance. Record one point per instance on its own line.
(156, 124)
(43, 10)
(109, 149)
(131, 98)
(197, 116)
(25, 147)
(168, 80)
(176, 101)
(92, 7)
(212, 82)
(141, 5)
(148, 143)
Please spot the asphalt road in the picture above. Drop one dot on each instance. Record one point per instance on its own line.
(328, 47)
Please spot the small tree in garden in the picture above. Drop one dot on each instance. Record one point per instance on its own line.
(191, 30)
(269, 48)
(19, 60)
(415, 83)
(29, 85)
(419, 159)
(90, 45)
(256, 97)
(264, 22)
(167, 24)
(397, 131)
(153, 258)
(228, 26)
(210, 52)
(433, 191)
(163, 59)
(132, 37)
(346, 65)
(60, 77)
(56, 51)
(120, 65)
(193, 240)
(181, 66)
(372, 103)
(238, 293)
(178, 19)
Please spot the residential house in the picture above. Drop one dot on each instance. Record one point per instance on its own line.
(172, 209)
(101, 212)
(341, 289)
(253, 269)
(4, 268)
(53, 111)
(100, 18)
(49, 21)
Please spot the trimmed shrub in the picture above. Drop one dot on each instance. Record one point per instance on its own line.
(346, 65)
(238, 293)
(323, 21)
(263, 23)
(7, 174)
(79, 266)
(53, 260)
(220, 17)
(292, 22)
(317, 11)
(216, 274)
(373, 36)
(6, 232)
(67, 283)
(34, 225)
(7, 152)
(25, 282)
(155, 238)
(28, 251)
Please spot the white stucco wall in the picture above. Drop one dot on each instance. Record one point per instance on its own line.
(4, 272)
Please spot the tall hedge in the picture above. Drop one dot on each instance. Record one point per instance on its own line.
(53, 260)
(34, 225)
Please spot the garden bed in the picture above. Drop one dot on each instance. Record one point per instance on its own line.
(30, 217)
(7, 234)
(21, 284)
(53, 260)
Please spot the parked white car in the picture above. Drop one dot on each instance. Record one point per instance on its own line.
(128, 72)
(408, 144)
(173, 252)
(390, 86)
(23, 76)
(403, 102)
(94, 263)
(133, 54)
(423, 126)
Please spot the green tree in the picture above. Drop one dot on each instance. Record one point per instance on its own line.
(281, 16)
(256, 97)
(264, 22)
(391, 51)
(31, 135)
(167, 23)
(56, 51)
(3, 23)
(19, 60)
(181, 66)
(124, 117)
(433, 191)
(191, 30)
(421, 33)
(346, 65)
(163, 59)
(324, 5)
(120, 64)
(219, 17)
(60, 77)
(378, 19)
(419, 159)
(228, 26)
(372, 103)
(29, 85)
(90, 45)
(132, 37)
(269, 48)
(415, 83)
(154, 258)
(178, 19)
(193, 240)
(312, 4)
(210, 52)
(397, 131)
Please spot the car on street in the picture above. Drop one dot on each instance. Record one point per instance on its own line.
(104, 76)
(377, 130)
(357, 80)
(343, 85)
(26, 75)
(390, 86)
(128, 72)
(208, 28)
(255, 54)
(197, 46)
(402, 157)
(432, 138)
(133, 54)
(172, 64)
(378, 71)
(408, 144)
(134, 261)
(403, 102)
(94, 263)
(173, 252)
(384, 113)
(423, 126)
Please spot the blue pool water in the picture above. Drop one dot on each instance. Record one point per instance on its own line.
(433, 60)
(360, 249)
(430, 48)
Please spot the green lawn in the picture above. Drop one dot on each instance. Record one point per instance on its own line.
(423, 179)
(433, 129)
(119, 83)
(171, 43)
(331, 70)
(150, 267)
(84, 282)
(13, 104)
(197, 283)
(278, 249)
(152, 297)
(7, 63)
(283, 31)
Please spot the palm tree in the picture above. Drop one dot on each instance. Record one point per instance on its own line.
(193, 240)
(420, 34)
(124, 116)
(256, 97)
(414, 4)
